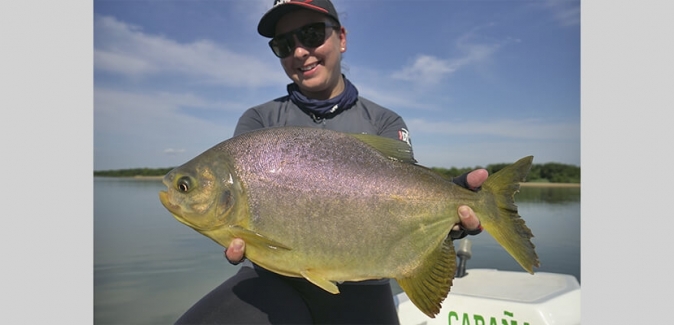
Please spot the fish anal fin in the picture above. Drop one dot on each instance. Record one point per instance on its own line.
(320, 281)
(430, 284)
(253, 238)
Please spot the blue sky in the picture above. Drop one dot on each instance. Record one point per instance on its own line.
(477, 82)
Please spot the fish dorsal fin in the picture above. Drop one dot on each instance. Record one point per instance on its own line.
(320, 281)
(430, 284)
(393, 149)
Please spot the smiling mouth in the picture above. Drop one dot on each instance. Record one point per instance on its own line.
(309, 67)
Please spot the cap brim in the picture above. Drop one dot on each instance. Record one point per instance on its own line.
(267, 25)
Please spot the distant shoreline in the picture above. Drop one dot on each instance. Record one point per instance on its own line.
(140, 178)
(525, 184)
(146, 177)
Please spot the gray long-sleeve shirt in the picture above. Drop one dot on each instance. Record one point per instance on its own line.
(363, 117)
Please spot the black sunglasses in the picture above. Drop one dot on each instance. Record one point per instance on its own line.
(311, 35)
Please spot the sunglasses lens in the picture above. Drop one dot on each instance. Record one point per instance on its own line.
(282, 45)
(310, 36)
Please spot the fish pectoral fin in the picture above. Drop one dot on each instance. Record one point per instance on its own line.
(320, 281)
(256, 239)
(430, 284)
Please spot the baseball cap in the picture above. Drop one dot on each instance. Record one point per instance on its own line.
(267, 25)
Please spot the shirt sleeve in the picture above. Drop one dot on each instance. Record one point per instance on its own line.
(249, 121)
(391, 125)
(387, 122)
(394, 127)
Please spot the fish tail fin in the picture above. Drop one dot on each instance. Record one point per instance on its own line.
(430, 285)
(504, 222)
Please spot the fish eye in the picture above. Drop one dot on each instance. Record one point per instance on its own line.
(184, 184)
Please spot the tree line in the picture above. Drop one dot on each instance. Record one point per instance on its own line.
(542, 173)
(133, 172)
(545, 173)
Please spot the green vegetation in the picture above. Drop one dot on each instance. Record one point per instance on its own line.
(543, 173)
(540, 173)
(133, 172)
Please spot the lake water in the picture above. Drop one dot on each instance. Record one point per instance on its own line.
(149, 268)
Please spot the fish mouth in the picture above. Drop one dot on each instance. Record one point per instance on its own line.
(176, 211)
(163, 197)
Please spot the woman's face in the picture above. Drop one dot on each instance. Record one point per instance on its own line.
(317, 71)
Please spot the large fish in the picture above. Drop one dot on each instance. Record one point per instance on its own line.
(331, 207)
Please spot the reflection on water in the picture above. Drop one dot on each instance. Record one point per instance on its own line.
(552, 195)
(149, 268)
(553, 215)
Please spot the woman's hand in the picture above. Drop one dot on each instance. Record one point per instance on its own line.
(234, 253)
(470, 224)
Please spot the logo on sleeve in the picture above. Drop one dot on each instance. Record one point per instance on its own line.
(404, 135)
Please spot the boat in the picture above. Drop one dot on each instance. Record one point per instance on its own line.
(496, 297)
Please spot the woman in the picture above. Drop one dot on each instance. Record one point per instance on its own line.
(309, 40)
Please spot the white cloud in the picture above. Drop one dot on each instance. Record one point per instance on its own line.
(123, 64)
(566, 13)
(130, 112)
(426, 69)
(136, 128)
(124, 49)
(392, 96)
(429, 70)
(171, 151)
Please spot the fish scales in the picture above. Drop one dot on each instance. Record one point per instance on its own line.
(332, 207)
(312, 194)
